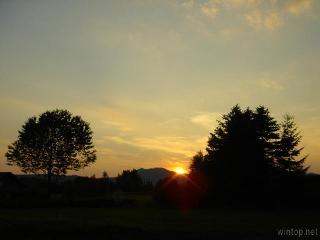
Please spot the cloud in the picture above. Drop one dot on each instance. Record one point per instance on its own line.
(239, 3)
(207, 120)
(270, 84)
(258, 20)
(210, 9)
(254, 19)
(260, 15)
(185, 146)
(182, 145)
(297, 7)
(271, 16)
(272, 21)
(123, 154)
(118, 125)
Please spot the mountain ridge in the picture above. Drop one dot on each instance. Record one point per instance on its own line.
(154, 175)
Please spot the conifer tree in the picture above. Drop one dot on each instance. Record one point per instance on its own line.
(288, 148)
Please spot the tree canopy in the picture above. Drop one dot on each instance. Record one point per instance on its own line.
(247, 148)
(288, 148)
(52, 144)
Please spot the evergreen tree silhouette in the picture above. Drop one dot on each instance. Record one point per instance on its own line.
(288, 149)
(245, 153)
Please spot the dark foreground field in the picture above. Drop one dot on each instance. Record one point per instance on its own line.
(148, 223)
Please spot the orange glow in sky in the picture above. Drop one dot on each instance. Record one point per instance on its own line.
(152, 86)
(180, 170)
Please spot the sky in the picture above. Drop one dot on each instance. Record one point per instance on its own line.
(152, 77)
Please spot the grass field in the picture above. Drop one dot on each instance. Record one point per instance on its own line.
(148, 223)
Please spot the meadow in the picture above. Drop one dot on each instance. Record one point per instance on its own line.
(140, 222)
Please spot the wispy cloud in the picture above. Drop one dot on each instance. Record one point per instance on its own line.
(259, 20)
(210, 9)
(119, 125)
(298, 6)
(258, 14)
(173, 144)
(185, 146)
(207, 120)
(255, 19)
(272, 21)
(238, 3)
(270, 84)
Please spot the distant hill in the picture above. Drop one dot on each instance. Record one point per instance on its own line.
(154, 174)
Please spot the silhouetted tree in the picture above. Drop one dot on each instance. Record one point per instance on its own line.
(266, 130)
(288, 149)
(52, 144)
(200, 172)
(105, 175)
(245, 152)
(197, 163)
(129, 181)
(240, 150)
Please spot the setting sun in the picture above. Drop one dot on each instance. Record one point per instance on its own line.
(180, 170)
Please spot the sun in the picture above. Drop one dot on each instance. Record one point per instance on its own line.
(180, 170)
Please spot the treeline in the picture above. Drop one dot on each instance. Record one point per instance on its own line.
(32, 191)
(127, 181)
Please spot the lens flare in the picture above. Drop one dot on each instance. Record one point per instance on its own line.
(180, 170)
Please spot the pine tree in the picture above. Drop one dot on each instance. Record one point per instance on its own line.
(288, 148)
(244, 142)
(237, 150)
(266, 131)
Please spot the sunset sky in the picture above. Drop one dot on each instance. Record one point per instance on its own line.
(153, 76)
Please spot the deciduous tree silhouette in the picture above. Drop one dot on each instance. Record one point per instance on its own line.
(52, 144)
